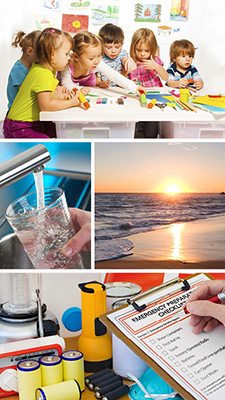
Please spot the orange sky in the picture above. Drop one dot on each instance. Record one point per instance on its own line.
(153, 166)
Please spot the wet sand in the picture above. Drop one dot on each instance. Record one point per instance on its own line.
(193, 245)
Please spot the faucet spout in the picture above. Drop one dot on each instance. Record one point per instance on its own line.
(17, 167)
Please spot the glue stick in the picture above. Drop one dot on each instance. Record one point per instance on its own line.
(69, 390)
(29, 379)
(73, 367)
(82, 99)
(51, 370)
(143, 99)
(152, 103)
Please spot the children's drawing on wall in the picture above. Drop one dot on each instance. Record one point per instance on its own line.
(103, 14)
(79, 4)
(147, 12)
(179, 10)
(52, 4)
(44, 21)
(74, 23)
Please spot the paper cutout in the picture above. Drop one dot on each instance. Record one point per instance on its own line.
(74, 23)
(103, 14)
(179, 10)
(52, 4)
(147, 12)
(215, 101)
(80, 4)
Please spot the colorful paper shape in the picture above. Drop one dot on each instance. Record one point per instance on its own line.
(214, 101)
(74, 23)
(147, 12)
(179, 10)
(103, 14)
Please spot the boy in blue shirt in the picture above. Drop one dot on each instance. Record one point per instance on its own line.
(181, 72)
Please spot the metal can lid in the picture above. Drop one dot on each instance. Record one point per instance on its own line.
(50, 360)
(72, 355)
(118, 303)
(28, 365)
(122, 289)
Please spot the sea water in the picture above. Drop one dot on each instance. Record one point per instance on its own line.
(44, 234)
(119, 215)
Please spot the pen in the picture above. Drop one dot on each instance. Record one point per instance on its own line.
(219, 298)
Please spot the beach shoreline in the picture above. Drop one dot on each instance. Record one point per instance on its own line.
(198, 244)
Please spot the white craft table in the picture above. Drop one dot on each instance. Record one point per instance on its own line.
(118, 121)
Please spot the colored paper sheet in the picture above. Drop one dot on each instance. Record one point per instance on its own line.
(147, 12)
(210, 101)
(74, 23)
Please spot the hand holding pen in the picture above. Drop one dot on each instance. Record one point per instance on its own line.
(206, 306)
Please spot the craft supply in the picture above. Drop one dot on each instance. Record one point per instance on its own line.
(98, 381)
(73, 367)
(161, 106)
(152, 103)
(120, 101)
(90, 378)
(116, 393)
(29, 378)
(143, 99)
(152, 91)
(51, 370)
(82, 99)
(184, 95)
(188, 106)
(101, 392)
(107, 382)
(68, 390)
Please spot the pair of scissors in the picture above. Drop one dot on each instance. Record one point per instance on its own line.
(161, 105)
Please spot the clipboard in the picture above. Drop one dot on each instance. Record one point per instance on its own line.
(140, 353)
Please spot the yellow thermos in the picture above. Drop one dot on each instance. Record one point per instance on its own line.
(94, 342)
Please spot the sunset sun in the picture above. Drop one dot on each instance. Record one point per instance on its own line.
(172, 188)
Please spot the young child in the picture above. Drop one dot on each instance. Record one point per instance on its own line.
(87, 60)
(114, 56)
(37, 92)
(149, 67)
(149, 72)
(22, 66)
(181, 72)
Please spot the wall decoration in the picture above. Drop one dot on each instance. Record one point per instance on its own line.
(44, 21)
(147, 12)
(179, 10)
(74, 23)
(103, 14)
(79, 4)
(52, 4)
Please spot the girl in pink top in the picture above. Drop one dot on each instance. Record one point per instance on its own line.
(144, 50)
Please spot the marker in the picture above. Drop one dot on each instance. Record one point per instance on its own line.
(82, 99)
(152, 103)
(154, 91)
(219, 298)
(143, 99)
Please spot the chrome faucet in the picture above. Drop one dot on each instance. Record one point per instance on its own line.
(17, 167)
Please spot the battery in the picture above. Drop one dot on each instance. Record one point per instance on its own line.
(115, 378)
(90, 378)
(68, 390)
(29, 378)
(101, 392)
(51, 370)
(97, 381)
(73, 367)
(116, 393)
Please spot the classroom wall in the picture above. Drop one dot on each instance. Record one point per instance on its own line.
(205, 28)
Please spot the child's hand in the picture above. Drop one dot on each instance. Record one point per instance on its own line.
(85, 90)
(183, 83)
(149, 64)
(140, 90)
(129, 65)
(104, 84)
(199, 84)
(62, 89)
